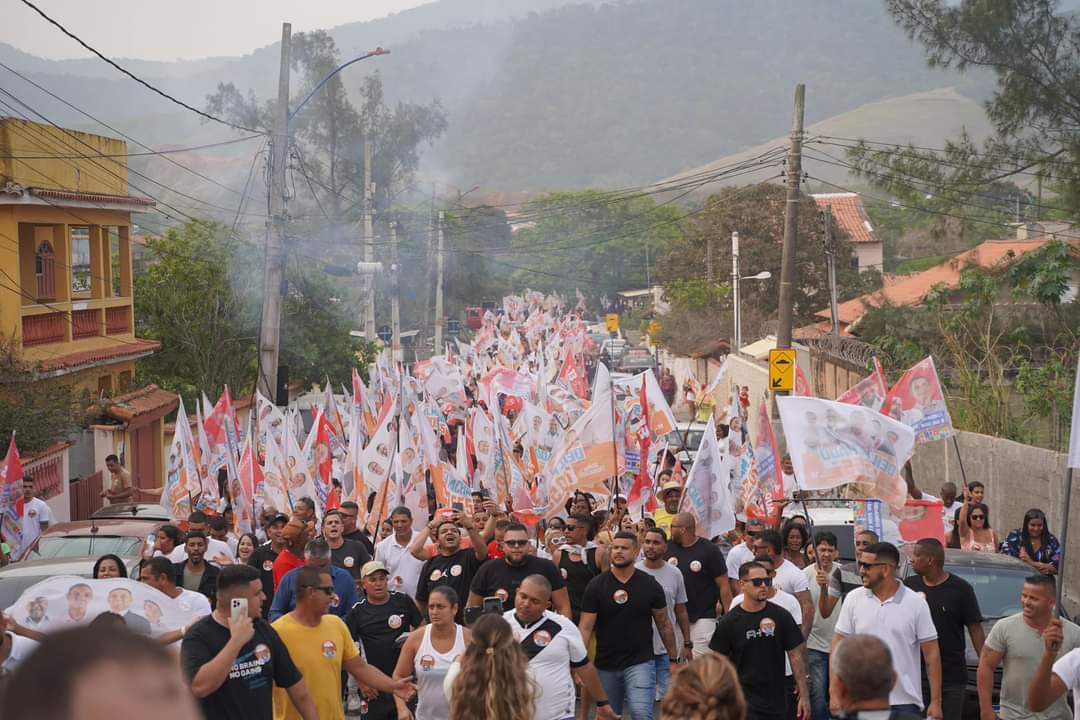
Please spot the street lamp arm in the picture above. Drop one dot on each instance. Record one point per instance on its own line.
(335, 71)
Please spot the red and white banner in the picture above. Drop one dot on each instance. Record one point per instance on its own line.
(870, 392)
(917, 401)
(11, 496)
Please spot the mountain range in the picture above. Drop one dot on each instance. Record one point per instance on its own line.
(551, 94)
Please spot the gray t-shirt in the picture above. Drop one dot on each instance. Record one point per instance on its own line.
(671, 579)
(821, 633)
(192, 580)
(1024, 648)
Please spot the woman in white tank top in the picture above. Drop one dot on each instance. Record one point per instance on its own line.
(428, 654)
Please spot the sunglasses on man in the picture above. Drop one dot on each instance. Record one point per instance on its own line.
(759, 582)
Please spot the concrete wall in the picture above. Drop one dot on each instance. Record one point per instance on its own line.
(1017, 478)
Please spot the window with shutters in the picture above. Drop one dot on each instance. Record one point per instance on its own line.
(45, 270)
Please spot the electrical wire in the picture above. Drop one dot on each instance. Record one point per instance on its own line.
(135, 77)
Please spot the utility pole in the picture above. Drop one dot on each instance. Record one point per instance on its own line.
(791, 223)
(735, 293)
(369, 248)
(648, 273)
(270, 328)
(429, 271)
(395, 303)
(439, 286)
(708, 258)
(830, 259)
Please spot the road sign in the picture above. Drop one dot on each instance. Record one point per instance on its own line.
(782, 370)
(385, 333)
(453, 328)
(613, 322)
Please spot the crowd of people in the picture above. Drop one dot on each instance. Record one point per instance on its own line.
(473, 616)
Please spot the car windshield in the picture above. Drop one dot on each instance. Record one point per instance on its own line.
(692, 439)
(997, 590)
(85, 546)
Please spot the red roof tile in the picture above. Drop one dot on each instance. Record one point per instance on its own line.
(115, 353)
(911, 289)
(144, 401)
(850, 215)
(98, 198)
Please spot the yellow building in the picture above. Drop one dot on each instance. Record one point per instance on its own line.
(66, 271)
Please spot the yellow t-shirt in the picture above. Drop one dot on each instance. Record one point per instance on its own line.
(318, 652)
(663, 519)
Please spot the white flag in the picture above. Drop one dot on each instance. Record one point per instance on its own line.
(706, 494)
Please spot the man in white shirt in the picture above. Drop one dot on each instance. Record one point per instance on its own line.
(159, 574)
(556, 651)
(825, 591)
(789, 578)
(217, 552)
(13, 648)
(743, 552)
(393, 552)
(36, 516)
(886, 608)
(950, 507)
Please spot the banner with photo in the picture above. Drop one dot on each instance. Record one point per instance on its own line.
(65, 601)
(917, 401)
(706, 494)
(833, 444)
(870, 392)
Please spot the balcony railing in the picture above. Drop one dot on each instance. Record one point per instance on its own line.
(118, 320)
(42, 329)
(85, 323)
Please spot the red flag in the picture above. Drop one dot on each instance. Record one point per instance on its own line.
(642, 481)
(573, 374)
(802, 385)
(11, 496)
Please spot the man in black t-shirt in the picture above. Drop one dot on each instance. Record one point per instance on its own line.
(953, 608)
(704, 571)
(380, 623)
(349, 512)
(233, 667)
(264, 556)
(622, 605)
(449, 565)
(348, 555)
(501, 578)
(757, 636)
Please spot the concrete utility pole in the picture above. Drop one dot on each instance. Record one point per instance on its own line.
(735, 293)
(270, 329)
(830, 258)
(708, 258)
(791, 223)
(395, 302)
(369, 248)
(439, 286)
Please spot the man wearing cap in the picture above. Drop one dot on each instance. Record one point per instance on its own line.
(743, 552)
(670, 494)
(264, 556)
(380, 622)
(295, 536)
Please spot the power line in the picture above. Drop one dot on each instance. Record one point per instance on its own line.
(135, 77)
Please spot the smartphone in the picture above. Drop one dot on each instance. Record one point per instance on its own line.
(238, 608)
(492, 605)
(457, 506)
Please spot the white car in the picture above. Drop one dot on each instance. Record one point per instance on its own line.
(685, 441)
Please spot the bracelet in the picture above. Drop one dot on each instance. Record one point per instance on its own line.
(602, 703)
(688, 644)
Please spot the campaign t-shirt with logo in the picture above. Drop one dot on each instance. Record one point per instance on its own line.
(700, 564)
(757, 644)
(377, 628)
(35, 512)
(319, 653)
(554, 647)
(498, 578)
(624, 618)
(457, 571)
(350, 557)
(263, 560)
(247, 693)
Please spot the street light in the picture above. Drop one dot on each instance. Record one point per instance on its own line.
(335, 71)
(735, 279)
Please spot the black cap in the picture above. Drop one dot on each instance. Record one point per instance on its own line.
(279, 518)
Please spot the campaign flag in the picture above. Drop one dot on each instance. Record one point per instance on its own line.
(244, 488)
(319, 452)
(641, 493)
(375, 468)
(833, 444)
(222, 431)
(444, 382)
(1073, 460)
(661, 418)
(411, 460)
(584, 460)
(922, 519)
(182, 484)
(275, 489)
(573, 374)
(483, 440)
(209, 498)
(763, 486)
(870, 392)
(705, 494)
(917, 401)
(802, 384)
(11, 496)
(714, 384)
(335, 424)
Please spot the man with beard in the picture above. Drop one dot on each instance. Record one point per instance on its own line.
(350, 511)
(704, 572)
(450, 564)
(348, 555)
(621, 605)
(264, 556)
(501, 577)
(195, 573)
(654, 547)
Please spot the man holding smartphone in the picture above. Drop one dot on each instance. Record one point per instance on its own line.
(450, 564)
(501, 577)
(234, 658)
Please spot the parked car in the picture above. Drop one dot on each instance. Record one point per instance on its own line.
(94, 538)
(140, 511)
(997, 581)
(685, 440)
(636, 360)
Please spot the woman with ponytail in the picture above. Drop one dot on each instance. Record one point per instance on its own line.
(706, 689)
(492, 680)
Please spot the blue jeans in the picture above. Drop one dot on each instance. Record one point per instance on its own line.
(819, 684)
(632, 689)
(909, 708)
(662, 663)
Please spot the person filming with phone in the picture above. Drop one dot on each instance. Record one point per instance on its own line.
(234, 658)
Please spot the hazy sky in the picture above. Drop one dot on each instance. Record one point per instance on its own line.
(176, 29)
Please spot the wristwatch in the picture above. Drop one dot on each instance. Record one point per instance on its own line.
(602, 703)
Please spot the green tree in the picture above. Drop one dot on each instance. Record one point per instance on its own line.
(40, 410)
